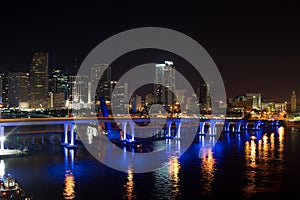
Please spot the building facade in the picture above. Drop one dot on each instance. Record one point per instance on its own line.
(101, 81)
(38, 80)
(164, 84)
(293, 102)
(18, 90)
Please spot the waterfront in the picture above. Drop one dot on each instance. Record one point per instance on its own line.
(239, 166)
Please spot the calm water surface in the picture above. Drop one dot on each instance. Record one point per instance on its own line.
(250, 165)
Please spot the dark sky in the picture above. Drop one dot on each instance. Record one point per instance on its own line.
(256, 46)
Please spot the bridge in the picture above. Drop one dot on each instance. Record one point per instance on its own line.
(205, 125)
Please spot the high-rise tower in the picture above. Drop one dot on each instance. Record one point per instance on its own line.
(38, 79)
(164, 84)
(293, 102)
(101, 81)
(18, 89)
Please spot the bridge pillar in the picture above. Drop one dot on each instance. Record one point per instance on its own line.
(132, 129)
(66, 127)
(178, 127)
(72, 126)
(124, 124)
(2, 138)
(24, 140)
(256, 125)
(226, 126)
(51, 138)
(32, 139)
(212, 128)
(246, 126)
(43, 141)
(169, 130)
(238, 126)
(201, 127)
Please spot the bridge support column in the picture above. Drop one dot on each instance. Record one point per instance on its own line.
(178, 127)
(212, 128)
(246, 126)
(51, 138)
(43, 140)
(201, 127)
(32, 139)
(238, 125)
(72, 126)
(227, 126)
(169, 130)
(2, 138)
(24, 140)
(66, 127)
(132, 129)
(124, 124)
(256, 125)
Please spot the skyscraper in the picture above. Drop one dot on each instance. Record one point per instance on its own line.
(59, 81)
(164, 84)
(119, 96)
(38, 89)
(293, 102)
(204, 96)
(18, 89)
(78, 90)
(101, 85)
(4, 89)
(254, 100)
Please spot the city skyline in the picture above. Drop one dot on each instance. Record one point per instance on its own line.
(65, 73)
(149, 100)
(58, 91)
(254, 45)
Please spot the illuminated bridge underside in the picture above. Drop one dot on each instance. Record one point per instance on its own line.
(205, 125)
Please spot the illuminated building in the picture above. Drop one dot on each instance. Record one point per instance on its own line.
(78, 90)
(149, 98)
(204, 96)
(254, 100)
(4, 89)
(101, 85)
(38, 79)
(293, 101)
(119, 96)
(18, 89)
(164, 84)
(59, 81)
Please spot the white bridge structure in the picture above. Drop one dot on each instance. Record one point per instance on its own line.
(204, 126)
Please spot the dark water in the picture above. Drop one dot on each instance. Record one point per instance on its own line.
(239, 166)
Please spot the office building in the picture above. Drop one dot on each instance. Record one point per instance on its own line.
(38, 80)
(164, 84)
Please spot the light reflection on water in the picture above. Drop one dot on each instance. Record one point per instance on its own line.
(252, 164)
(208, 169)
(264, 163)
(69, 189)
(129, 186)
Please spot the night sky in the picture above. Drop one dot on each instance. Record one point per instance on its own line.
(256, 46)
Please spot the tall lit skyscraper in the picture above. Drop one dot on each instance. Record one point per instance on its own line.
(255, 100)
(18, 89)
(120, 95)
(101, 85)
(59, 81)
(164, 84)
(293, 101)
(4, 89)
(78, 86)
(38, 76)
